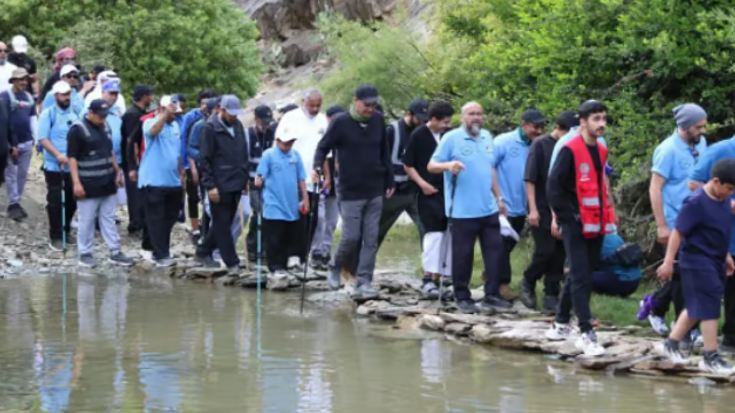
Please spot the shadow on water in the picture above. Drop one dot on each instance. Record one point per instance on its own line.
(149, 343)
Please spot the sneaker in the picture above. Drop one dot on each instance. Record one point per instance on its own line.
(278, 280)
(429, 291)
(587, 343)
(645, 307)
(294, 263)
(658, 324)
(87, 260)
(671, 350)
(696, 338)
(55, 245)
(195, 237)
(467, 307)
(365, 291)
(496, 302)
(446, 281)
(528, 294)
(165, 262)
(118, 258)
(507, 293)
(14, 212)
(334, 279)
(559, 332)
(206, 261)
(714, 363)
(234, 270)
(71, 239)
(551, 303)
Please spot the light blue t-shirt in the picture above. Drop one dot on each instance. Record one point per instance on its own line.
(160, 164)
(282, 173)
(703, 170)
(674, 161)
(77, 102)
(474, 197)
(511, 152)
(54, 125)
(563, 141)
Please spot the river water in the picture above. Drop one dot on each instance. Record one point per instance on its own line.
(120, 343)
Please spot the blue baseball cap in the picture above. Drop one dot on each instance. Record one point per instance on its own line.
(112, 85)
(231, 105)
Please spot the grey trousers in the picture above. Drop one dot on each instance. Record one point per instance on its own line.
(16, 173)
(360, 219)
(328, 212)
(89, 211)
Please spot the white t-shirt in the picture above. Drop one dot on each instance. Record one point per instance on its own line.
(308, 131)
(6, 70)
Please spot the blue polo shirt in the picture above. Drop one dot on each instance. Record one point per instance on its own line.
(54, 125)
(674, 161)
(511, 152)
(282, 173)
(160, 164)
(473, 197)
(703, 170)
(566, 138)
(195, 137)
(77, 102)
(187, 123)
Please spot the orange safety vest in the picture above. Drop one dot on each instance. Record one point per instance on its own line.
(597, 220)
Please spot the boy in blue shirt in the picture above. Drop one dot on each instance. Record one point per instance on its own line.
(281, 175)
(700, 238)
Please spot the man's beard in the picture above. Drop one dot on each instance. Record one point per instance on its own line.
(63, 105)
(473, 129)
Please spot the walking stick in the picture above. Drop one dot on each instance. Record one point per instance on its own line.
(258, 263)
(309, 222)
(446, 238)
(63, 216)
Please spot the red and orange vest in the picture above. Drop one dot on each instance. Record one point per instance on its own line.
(595, 212)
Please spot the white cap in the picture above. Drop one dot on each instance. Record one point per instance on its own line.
(68, 69)
(61, 87)
(167, 100)
(103, 77)
(20, 44)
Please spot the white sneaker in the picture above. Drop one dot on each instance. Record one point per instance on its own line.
(278, 280)
(717, 365)
(294, 263)
(587, 343)
(673, 354)
(658, 324)
(559, 332)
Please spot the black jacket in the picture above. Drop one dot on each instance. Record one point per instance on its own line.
(6, 134)
(223, 157)
(132, 135)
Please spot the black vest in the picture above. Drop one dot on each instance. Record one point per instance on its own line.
(95, 165)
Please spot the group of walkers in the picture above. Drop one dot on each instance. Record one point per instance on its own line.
(292, 180)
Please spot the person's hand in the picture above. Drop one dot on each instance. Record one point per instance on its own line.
(133, 176)
(258, 181)
(501, 207)
(665, 271)
(555, 230)
(14, 153)
(428, 189)
(213, 195)
(455, 167)
(662, 235)
(729, 266)
(79, 191)
(389, 192)
(119, 180)
(62, 160)
(304, 206)
(534, 218)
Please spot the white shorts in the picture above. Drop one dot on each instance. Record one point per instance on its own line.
(436, 243)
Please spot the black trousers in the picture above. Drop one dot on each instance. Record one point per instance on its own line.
(465, 231)
(584, 258)
(280, 238)
(728, 329)
(547, 260)
(669, 292)
(3, 165)
(161, 210)
(192, 196)
(505, 271)
(135, 205)
(307, 228)
(256, 207)
(219, 236)
(53, 202)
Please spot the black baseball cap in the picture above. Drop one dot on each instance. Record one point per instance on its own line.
(367, 94)
(263, 112)
(334, 110)
(140, 91)
(100, 107)
(420, 109)
(567, 120)
(98, 68)
(533, 116)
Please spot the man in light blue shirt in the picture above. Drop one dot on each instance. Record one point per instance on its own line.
(511, 152)
(159, 177)
(465, 156)
(69, 74)
(674, 161)
(53, 127)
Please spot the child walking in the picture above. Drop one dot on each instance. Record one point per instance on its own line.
(701, 237)
(281, 175)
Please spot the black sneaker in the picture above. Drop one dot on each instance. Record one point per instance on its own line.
(551, 303)
(467, 307)
(528, 294)
(206, 261)
(497, 302)
(14, 212)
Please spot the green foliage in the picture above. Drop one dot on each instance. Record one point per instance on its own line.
(180, 46)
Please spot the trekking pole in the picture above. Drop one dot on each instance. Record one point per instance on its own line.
(258, 263)
(445, 239)
(309, 222)
(63, 216)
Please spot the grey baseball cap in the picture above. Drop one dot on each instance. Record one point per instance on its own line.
(231, 105)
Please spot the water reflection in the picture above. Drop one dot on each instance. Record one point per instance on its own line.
(93, 344)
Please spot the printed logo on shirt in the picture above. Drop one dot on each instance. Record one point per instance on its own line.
(467, 150)
(584, 170)
(514, 152)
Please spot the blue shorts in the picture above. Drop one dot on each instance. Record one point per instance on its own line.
(703, 288)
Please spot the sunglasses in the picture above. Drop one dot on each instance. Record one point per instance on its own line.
(72, 76)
